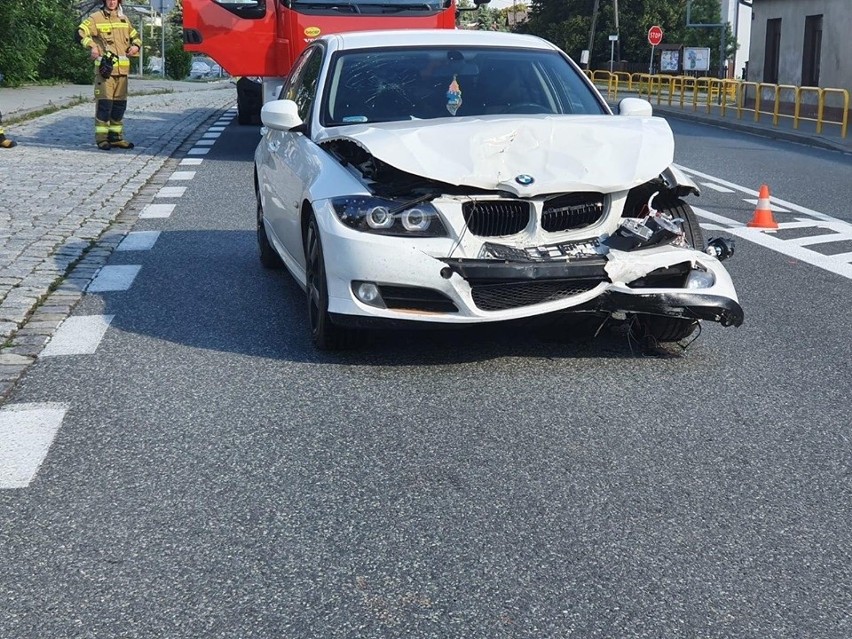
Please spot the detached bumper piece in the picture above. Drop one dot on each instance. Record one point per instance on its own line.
(688, 305)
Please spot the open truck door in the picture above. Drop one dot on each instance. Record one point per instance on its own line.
(241, 36)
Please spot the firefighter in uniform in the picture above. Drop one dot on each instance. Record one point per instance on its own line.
(112, 39)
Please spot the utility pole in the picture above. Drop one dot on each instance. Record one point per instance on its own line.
(163, 39)
(617, 30)
(592, 30)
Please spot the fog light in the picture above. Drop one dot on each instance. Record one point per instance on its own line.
(368, 292)
(700, 279)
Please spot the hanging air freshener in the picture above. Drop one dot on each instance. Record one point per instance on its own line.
(454, 97)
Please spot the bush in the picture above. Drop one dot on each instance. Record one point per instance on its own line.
(178, 61)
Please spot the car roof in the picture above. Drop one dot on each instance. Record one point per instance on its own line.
(434, 37)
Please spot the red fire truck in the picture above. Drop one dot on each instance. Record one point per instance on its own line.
(260, 39)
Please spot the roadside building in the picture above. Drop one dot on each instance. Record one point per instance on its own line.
(802, 43)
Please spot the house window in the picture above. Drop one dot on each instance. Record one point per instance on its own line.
(811, 51)
(773, 51)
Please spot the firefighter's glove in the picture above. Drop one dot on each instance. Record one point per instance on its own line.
(108, 61)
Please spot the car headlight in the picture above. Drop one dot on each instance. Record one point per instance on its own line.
(387, 217)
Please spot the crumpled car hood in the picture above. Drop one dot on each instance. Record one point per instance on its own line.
(602, 153)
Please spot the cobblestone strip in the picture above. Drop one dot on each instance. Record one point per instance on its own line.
(72, 204)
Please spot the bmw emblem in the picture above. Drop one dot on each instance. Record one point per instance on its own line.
(524, 179)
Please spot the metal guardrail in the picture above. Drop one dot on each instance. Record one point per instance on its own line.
(762, 99)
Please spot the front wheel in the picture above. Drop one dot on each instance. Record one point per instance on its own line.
(673, 329)
(325, 334)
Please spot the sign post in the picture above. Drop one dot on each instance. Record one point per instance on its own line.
(612, 40)
(655, 36)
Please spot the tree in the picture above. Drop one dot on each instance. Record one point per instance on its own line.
(178, 61)
(567, 24)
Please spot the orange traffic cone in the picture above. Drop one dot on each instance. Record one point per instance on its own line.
(763, 218)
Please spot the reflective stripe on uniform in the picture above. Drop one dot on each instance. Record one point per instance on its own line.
(116, 128)
(101, 129)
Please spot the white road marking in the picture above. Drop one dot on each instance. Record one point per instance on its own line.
(196, 151)
(843, 257)
(821, 239)
(138, 241)
(747, 191)
(157, 210)
(772, 207)
(190, 162)
(825, 262)
(78, 335)
(114, 278)
(712, 227)
(26, 433)
(171, 191)
(716, 187)
(212, 136)
(222, 122)
(216, 129)
(205, 143)
(182, 175)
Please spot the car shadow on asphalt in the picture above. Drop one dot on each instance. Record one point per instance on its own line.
(207, 290)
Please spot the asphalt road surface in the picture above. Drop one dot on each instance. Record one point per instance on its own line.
(211, 475)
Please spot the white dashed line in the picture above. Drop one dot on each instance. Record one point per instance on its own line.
(216, 129)
(171, 191)
(211, 136)
(182, 175)
(157, 210)
(190, 162)
(205, 143)
(26, 433)
(114, 278)
(716, 187)
(78, 335)
(197, 151)
(138, 241)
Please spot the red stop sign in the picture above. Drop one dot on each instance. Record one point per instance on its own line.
(655, 35)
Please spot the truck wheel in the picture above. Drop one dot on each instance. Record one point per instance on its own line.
(249, 101)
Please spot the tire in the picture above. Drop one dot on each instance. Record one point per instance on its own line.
(269, 257)
(249, 101)
(691, 228)
(673, 329)
(325, 335)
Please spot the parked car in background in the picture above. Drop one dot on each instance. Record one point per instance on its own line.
(461, 177)
(199, 69)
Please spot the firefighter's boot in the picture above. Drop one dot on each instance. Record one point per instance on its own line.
(116, 136)
(102, 135)
(6, 143)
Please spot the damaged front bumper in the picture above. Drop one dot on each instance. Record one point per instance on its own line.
(630, 282)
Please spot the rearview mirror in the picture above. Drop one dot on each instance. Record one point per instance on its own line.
(282, 115)
(635, 107)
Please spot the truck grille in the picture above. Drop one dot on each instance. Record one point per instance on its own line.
(572, 211)
(495, 218)
(502, 296)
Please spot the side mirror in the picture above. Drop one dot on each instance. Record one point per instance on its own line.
(635, 107)
(281, 115)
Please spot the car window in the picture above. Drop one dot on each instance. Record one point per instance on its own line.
(386, 86)
(302, 88)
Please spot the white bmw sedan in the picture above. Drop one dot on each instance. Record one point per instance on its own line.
(456, 177)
